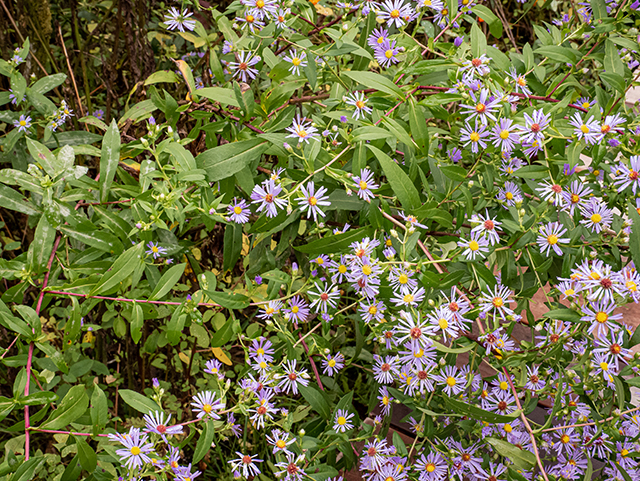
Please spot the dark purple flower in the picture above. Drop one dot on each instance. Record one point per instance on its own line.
(458, 41)
(156, 383)
(343, 119)
(258, 280)
(568, 170)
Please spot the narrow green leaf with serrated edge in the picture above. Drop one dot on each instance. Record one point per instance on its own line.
(316, 400)
(99, 409)
(398, 179)
(86, 455)
(204, 443)
(73, 405)
(375, 81)
(168, 280)
(109, 159)
(138, 401)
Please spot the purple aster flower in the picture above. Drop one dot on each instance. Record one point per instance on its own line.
(179, 20)
(483, 107)
(332, 364)
(394, 11)
(302, 130)
(505, 136)
(549, 238)
(266, 195)
(588, 130)
(238, 211)
(243, 68)
(385, 54)
(597, 215)
(155, 423)
(311, 200)
(155, 250)
(474, 136)
(378, 37)
(535, 125)
(205, 404)
(298, 310)
(364, 182)
(136, 451)
(22, 124)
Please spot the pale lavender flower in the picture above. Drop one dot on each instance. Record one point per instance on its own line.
(238, 211)
(364, 182)
(243, 68)
(266, 196)
(179, 20)
(311, 200)
(302, 130)
(550, 236)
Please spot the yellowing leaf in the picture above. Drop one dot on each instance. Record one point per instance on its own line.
(222, 357)
(245, 245)
(322, 10)
(88, 337)
(196, 253)
(184, 358)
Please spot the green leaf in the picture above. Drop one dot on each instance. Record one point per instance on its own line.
(137, 322)
(219, 94)
(478, 414)
(563, 315)
(13, 200)
(375, 81)
(168, 280)
(333, 243)
(453, 350)
(109, 159)
(418, 125)
(519, 456)
(27, 469)
(14, 324)
(222, 335)
(41, 246)
(73, 405)
(228, 299)
(399, 181)
(612, 61)
(454, 172)
(99, 409)
(398, 131)
(559, 54)
(316, 400)
(48, 83)
(37, 398)
(229, 159)
(86, 455)
(478, 41)
(440, 216)
(122, 268)
(183, 156)
(74, 323)
(138, 111)
(614, 81)
(204, 443)
(495, 25)
(89, 234)
(162, 76)
(232, 246)
(138, 401)
(370, 132)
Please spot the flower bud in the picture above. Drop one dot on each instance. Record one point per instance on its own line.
(431, 303)
(302, 432)
(471, 183)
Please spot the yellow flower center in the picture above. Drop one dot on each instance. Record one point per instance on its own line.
(430, 467)
(604, 366)
(508, 428)
(632, 286)
(313, 200)
(207, 408)
(280, 443)
(584, 129)
(342, 268)
(586, 105)
(260, 3)
(23, 123)
(408, 298)
(296, 61)
(602, 317)
(360, 104)
(504, 134)
(363, 185)
(451, 381)
(135, 450)
(552, 239)
(569, 292)
(342, 420)
(443, 323)
(332, 363)
(509, 195)
(394, 13)
(295, 309)
(624, 452)
(373, 310)
(380, 40)
(596, 218)
(302, 133)
(403, 278)
(504, 385)
(237, 209)
(474, 246)
(474, 136)
(366, 270)
(260, 351)
(498, 302)
(388, 53)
